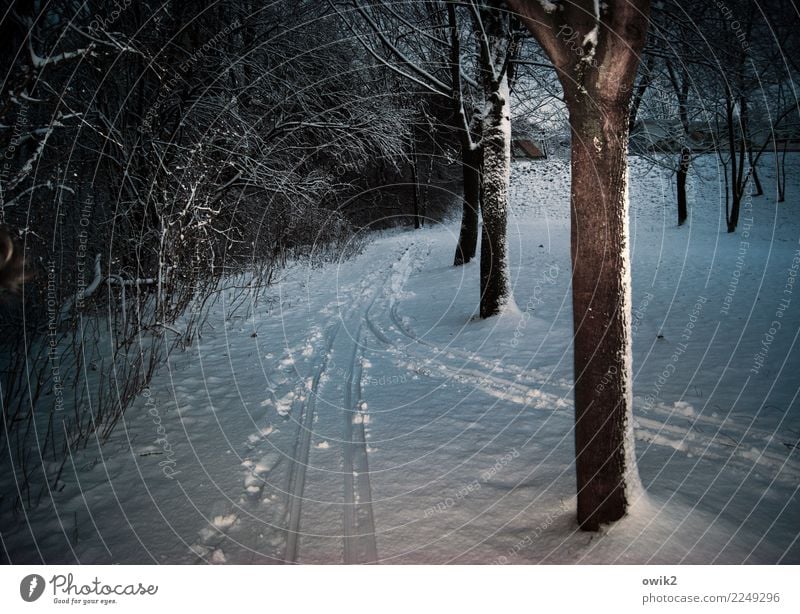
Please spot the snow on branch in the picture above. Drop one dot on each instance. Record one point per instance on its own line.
(425, 79)
(49, 185)
(40, 62)
(98, 279)
(591, 38)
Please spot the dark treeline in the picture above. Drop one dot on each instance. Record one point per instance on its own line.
(151, 149)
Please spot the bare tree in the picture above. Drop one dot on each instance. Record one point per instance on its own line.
(732, 60)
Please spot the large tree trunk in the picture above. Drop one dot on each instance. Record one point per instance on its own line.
(496, 145)
(597, 86)
(601, 312)
(683, 170)
(468, 237)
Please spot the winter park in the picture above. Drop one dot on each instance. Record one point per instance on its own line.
(399, 282)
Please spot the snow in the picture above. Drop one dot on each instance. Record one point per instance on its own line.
(496, 140)
(457, 432)
(633, 483)
(40, 62)
(224, 522)
(591, 38)
(548, 5)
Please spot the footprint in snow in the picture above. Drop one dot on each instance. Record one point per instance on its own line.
(215, 556)
(210, 537)
(224, 522)
(254, 438)
(254, 480)
(215, 531)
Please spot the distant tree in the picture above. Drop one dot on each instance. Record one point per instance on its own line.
(727, 65)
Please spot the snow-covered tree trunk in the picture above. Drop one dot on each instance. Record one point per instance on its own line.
(495, 47)
(597, 85)
(496, 145)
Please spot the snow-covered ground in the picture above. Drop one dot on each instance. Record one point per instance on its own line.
(361, 414)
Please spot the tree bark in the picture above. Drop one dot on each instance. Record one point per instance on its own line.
(496, 145)
(781, 172)
(597, 87)
(601, 311)
(468, 236)
(683, 170)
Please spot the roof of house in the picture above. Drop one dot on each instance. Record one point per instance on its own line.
(529, 149)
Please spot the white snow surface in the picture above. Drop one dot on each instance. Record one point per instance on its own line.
(591, 38)
(410, 432)
(548, 6)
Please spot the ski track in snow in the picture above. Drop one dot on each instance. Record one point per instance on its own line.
(359, 544)
(299, 460)
(359, 532)
(359, 520)
(524, 388)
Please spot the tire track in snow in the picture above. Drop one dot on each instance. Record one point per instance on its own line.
(359, 519)
(521, 377)
(359, 524)
(299, 460)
